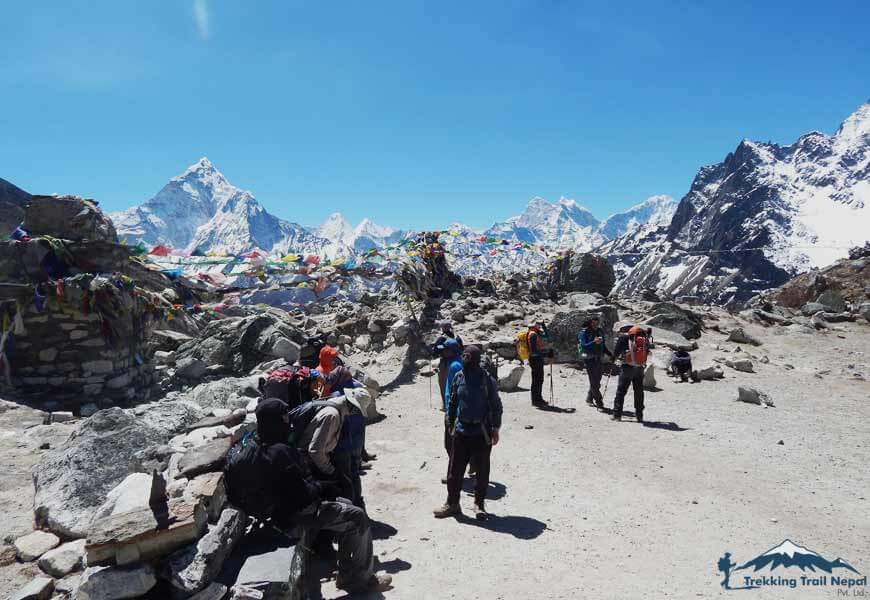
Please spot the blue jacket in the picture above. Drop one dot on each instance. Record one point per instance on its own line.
(587, 342)
(472, 405)
(454, 368)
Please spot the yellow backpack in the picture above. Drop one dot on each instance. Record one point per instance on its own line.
(522, 344)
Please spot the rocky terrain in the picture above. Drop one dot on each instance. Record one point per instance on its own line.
(84, 483)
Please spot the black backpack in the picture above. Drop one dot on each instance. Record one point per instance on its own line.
(246, 480)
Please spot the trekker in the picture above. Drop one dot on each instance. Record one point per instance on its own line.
(447, 333)
(327, 360)
(474, 416)
(452, 352)
(681, 366)
(537, 353)
(592, 348)
(320, 436)
(632, 348)
(298, 499)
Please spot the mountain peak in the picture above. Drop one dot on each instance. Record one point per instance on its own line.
(857, 126)
(789, 548)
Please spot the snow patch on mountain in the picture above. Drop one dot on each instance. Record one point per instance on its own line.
(655, 211)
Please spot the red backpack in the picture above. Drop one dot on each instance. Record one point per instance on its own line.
(638, 348)
(293, 386)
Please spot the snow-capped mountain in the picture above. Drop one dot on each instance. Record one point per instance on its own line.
(655, 211)
(761, 216)
(12, 202)
(564, 224)
(788, 554)
(365, 236)
(200, 209)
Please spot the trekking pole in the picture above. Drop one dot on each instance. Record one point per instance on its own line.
(552, 397)
(431, 375)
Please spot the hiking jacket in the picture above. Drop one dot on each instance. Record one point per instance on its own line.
(291, 485)
(536, 343)
(453, 369)
(352, 436)
(321, 436)
(467, 389)
(587, 342)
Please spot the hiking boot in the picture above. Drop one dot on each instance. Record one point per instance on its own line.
(599, 405)
(616, 417)
(448, 510)
(368, 457)
(378, 582)
(444, 480)
(365, 466)
(480, 512)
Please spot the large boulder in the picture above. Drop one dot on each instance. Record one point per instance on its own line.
(239, 344)
(229, 392)
(832, 300)
(564, 327)
(116, 583)
(68, 218)
(64, 559)
(673, 317)
(72, 481)
(511, 381)
(34, 544)
(581, 273)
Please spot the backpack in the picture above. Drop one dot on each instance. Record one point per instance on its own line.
(477, 414)
(246, 480)
(522, 344)
(638, 350)
(581, 351)
(301, 416)
(293, 386)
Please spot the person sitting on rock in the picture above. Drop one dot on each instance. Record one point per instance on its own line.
(681, 366)
(302, 500)
(327, 358)
(474, 416)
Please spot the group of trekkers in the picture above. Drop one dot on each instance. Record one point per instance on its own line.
(302, 468)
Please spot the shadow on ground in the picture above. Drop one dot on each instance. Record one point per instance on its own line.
(495, 491)
(522, 528)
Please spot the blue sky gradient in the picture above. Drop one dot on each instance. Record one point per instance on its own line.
(415, 114)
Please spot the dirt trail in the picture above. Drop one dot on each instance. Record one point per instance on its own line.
(591, 508)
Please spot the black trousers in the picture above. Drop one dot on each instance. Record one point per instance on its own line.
(348, 475)
(594, 369)
(537, 365)
(467, 448)
(629, 376)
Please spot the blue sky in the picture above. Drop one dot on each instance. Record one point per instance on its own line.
(415, 114)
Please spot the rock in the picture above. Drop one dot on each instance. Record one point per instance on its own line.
(204, 459)
(864, 310)
(191, 569)
(131, 537)
(161, 357)
(190, 368)
(61, 417)
(89, 409)
(400, 330)
(67, 586)
(811, 308)
(64, 559)
(209, 489)
(229, 392)
(286, 349)
(581, 272)
(363, 341)
(741, 364)
(72, 481)
(505, 347)
(231, 419)
(711, 373)
(832, 300)
(829, 317)
(668, 339)
(564, 327)
(753, 396)
(245, 592)
(512, 381)
(39, 588)
(7, 554)
(35, 544)
(129, 495)
(116, 583)
(670, 316)
(649, 378)
(167, 340)
(68, 218)
(740, 336)
(583, 300)
(214, 591)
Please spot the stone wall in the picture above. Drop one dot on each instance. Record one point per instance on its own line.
(66, 359)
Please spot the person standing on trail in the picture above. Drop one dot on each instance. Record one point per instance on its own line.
(297, 498)
(474, 416)
(537, 353)
(633, 349)
(447, 333)
(592, 348)
(452, 352)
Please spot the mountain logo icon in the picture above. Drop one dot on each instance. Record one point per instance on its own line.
(788, 554)
(790, 565)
